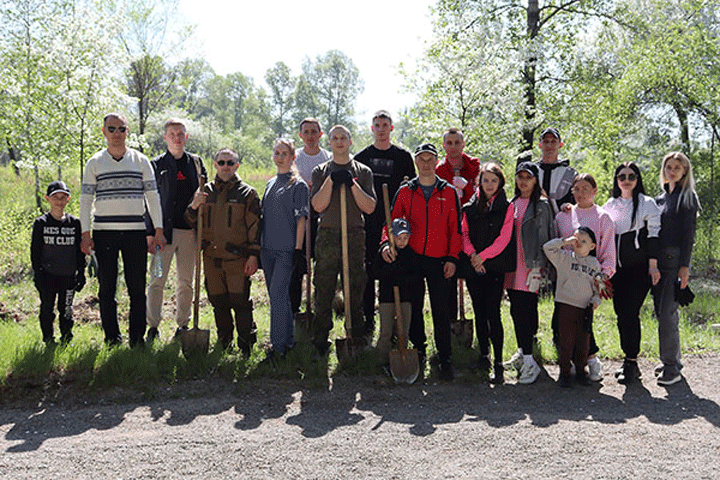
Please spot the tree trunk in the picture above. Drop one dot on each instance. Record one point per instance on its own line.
(38, 198)
(682, 116)
(13, 158)
(528, 75)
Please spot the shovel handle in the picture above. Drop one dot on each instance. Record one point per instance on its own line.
(308, 252)
(396, 290)
(345, 258)
(198, 261)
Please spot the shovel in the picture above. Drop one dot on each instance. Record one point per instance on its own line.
(196, 341)
(461, 330)
(404, 363)
(305, 319)
(344, 347)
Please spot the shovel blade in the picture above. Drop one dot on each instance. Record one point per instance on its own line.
(349, 349)
(304, 321)
(404, 365)
(461, 332)
(195, 342)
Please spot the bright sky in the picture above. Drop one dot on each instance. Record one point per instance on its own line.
(251, 36)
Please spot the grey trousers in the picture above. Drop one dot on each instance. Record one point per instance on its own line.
(666, 310)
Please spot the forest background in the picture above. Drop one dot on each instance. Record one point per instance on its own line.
(621, 79)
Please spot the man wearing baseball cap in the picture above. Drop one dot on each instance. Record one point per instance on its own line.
(432, 209)
(556, 176)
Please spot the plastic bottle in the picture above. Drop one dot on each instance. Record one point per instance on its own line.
(157, 263)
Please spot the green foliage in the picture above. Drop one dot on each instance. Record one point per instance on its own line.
(328, 89)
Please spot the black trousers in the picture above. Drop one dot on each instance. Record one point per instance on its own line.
(373, 234)
(486, 294)
(630, 286)
(430, 270)
(58, 290)
(296, 285)
(132, 246)
(524, 313)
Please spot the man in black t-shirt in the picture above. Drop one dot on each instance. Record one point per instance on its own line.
(389, 164)
(178, 176)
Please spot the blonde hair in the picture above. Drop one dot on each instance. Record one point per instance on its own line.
(688, 196)
(287, 142)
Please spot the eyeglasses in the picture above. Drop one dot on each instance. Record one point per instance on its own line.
(630, 176)
(112, 129)
(229, 163)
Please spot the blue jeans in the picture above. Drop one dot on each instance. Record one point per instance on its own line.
(278, 267)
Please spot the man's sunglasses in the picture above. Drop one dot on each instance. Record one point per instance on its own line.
(112, 129)
(630, 176)
(229, 163)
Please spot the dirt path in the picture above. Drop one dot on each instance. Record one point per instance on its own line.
(364, 428)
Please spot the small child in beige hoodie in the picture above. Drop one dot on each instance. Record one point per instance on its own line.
(575, 293)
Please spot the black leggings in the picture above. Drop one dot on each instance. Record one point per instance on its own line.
(524, 313)
(486, 293)
(630, 286)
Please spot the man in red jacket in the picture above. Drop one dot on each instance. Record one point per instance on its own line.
(461, 171)
(431, 206)
(458, 169)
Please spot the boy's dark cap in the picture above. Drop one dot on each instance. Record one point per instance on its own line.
(552, 131)
(529, 167)
(400, 225)
(588, 231)
(426, 147)
(57, 186)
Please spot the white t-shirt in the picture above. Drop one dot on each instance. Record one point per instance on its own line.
(305, 163)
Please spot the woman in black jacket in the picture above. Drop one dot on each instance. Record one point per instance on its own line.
(679, 207)
(489, 248)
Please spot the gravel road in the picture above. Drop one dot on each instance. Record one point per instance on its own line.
(359, 428)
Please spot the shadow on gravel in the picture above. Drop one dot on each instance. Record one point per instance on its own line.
(681, 404)
(348, 400)
(34, 429)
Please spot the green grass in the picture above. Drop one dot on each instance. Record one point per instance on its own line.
(89, 364)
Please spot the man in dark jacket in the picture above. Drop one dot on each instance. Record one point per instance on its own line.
(556, 176)
(178, 174)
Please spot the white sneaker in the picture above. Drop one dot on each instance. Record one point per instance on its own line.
(529, 372)
(516, 362)
(595, 369)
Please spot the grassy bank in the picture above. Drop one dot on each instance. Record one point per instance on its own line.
(86, 365)
(26, 364)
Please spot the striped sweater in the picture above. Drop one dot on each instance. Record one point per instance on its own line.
(118, 191)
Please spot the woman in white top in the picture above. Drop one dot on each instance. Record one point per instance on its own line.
(637, 226)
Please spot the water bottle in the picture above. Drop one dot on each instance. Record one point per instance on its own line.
(157, 263)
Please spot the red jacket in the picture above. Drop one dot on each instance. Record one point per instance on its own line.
(434, 225)
(469, 171)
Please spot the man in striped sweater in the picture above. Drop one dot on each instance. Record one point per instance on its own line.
(117, 183)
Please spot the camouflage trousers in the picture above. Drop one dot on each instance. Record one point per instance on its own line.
(328, 256)
(228, 291)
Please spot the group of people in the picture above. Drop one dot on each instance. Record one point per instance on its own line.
(451, 219)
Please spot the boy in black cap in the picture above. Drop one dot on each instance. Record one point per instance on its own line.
(57, 262)
(399, 272)
(555, 176)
